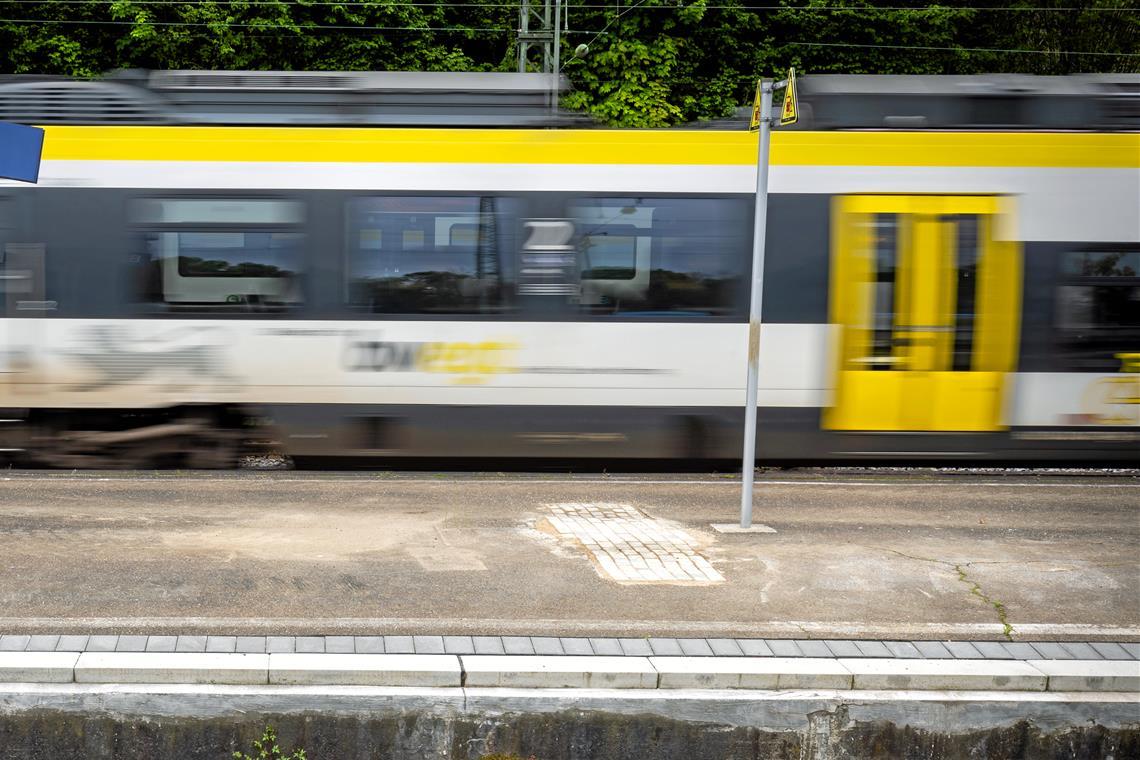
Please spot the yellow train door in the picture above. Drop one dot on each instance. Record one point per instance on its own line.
(928, 301)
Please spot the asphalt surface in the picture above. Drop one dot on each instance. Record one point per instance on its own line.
(881, 555)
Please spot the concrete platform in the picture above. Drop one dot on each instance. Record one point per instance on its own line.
(570, 672)
(238, 557)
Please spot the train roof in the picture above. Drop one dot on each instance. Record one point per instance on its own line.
(500, 99)
(289, 98)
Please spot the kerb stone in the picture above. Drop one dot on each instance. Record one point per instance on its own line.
(559, 672)
(172, 667)
(944, 675)
(750, 673)
(37, 667)
(365, 669)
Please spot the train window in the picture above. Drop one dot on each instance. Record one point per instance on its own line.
(219, 254)
(661, 256)
(428, 255)
(1098, 309)
(239, 211)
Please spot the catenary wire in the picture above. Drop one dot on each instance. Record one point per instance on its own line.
(298, 28)
(639, 6)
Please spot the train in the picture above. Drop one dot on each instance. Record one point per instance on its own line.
(386, 267)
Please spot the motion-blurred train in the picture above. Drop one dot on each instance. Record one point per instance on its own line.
(385, 266)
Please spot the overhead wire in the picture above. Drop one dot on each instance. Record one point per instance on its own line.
(594, 6)
(297, 28)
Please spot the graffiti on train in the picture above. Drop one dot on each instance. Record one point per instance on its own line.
(118, 354)
(488, 357)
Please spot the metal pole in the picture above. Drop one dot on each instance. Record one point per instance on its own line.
(759, 228)
(557, 54)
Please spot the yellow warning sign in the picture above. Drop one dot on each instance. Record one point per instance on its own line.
(755, 123)
(790, 113)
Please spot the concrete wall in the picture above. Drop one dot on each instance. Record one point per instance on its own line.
(210, 723)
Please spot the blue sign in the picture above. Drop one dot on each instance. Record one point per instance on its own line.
(20, 149)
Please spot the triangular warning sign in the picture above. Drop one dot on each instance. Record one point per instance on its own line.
(755, 123)
(790, 113)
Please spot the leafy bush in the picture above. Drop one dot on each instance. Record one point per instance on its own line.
(266, 748)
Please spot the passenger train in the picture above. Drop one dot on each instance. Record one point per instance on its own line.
(389, 266)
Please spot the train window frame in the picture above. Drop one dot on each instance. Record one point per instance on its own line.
(736, 286)
(1090, 346)
(504, 229)
(148, 289)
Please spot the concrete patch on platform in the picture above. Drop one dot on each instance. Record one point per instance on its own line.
(628, 546)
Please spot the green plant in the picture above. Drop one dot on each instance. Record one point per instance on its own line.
(266, 748)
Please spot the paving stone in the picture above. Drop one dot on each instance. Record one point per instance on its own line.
(280, 644)
(813, 648)
(606, 647)
(725, 648)
(73, 643)
(37, 667)
(665, 647)
(630, 546)
(161, 643)
(933, 650)
(433, 670)
(458, 645)
(487, 644)
(190, 644)
(944, 675)
(902, 649)
(1078, 650)
(844, 649)
(102, 643)
(369, 645)
(750, 673)
(14, 643)
(576, 646)
(250, 644)
(784, 648)
(517, 645)
(963, 650)
(872, 649)
(1020, 650)
(131, 644)
(172, 667)
(340, 645)
(754, 647)
(309, 645)
(428, 644)
(546, 645)
(1091, 675)
(537, 671)
(1133, 648)
(1110, 651)
(993, 650)
(399, 645)
(1050, 651)
(220, 644)
(695, 648)
(42, 643)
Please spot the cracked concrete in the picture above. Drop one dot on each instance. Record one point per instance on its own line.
(975, 589)
(899, 557)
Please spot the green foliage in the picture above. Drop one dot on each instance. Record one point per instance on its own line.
(266, 748)
(651, 63)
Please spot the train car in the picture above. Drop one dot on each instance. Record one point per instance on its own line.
(324, 264)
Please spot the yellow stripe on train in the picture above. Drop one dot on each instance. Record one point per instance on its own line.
(532, 146)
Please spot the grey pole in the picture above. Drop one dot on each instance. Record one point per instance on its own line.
(557, 54)
(759, 228)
